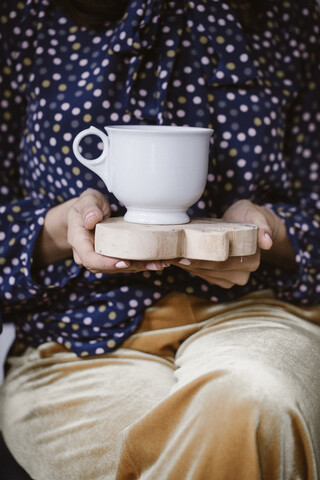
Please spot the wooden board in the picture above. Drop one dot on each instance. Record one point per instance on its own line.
(202, 239)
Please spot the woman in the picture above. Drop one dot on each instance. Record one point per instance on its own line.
(161, 370)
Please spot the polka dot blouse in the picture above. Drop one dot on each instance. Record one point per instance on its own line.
(167, 62)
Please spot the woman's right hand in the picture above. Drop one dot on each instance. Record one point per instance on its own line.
(68, 230)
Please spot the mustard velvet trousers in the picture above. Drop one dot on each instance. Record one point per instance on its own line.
(200, 392)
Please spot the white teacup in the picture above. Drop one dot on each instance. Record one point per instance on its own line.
(156, 172)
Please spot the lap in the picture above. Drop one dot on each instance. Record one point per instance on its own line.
(63, 415)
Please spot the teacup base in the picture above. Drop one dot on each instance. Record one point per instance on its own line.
(156, 217)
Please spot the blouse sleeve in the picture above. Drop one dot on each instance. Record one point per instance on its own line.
(22, 209)
(302, 155)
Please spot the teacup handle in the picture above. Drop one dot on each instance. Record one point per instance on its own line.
(97, 165)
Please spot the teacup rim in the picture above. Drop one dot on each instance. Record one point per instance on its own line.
(160, 128)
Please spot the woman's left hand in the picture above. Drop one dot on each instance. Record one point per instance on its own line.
(236, 270)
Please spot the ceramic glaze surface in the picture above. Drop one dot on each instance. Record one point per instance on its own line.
(157, 172)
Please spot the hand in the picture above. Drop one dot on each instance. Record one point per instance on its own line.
(237, 270)
(89, 209)
(68, 230)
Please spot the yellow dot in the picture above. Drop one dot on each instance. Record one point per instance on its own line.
(4, 19)
(46, 83)
(76, 171)
(76, 46)
(102, 308)
(68, 262)
(68, 345)
(27, 61)
(220, 39)
(7, 115)
(7, 70)
(73, 29)
(111, 343)
(60, 199)
(84, 353)
(233, 152)
(34, 149)
(171, 53)
(112, 315)
(89, 86)
(190, 290)
(62, 87)
(39, 26)
(42, 191)
(203, 39)
(61, 324)
(228, 187)
(231, 66)
(2, 260)
(12, 242)
(10, 218)
(170, 279)
(257, 121)
(280, 73)
(300, 138)
(7, 94)
(56, 127)
(43, 158)
(182, 99)
(65, 150)
(136, 45)
(16, 208)
(87, 118)
(75, 326)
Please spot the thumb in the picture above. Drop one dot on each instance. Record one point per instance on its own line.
(264, 221)
(94, 207)
(248, 212)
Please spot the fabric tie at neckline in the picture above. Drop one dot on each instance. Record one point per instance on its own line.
(143, 34)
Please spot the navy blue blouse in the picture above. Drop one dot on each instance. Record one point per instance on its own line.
(173, 62)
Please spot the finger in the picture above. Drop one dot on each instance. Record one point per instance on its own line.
(93, 206)
(82, 243)
(249, 263)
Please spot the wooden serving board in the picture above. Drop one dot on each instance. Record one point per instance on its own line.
(202, 239)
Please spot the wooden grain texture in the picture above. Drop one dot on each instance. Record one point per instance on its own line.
(202, 239)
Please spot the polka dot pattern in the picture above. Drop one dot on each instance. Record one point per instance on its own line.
(167, 62)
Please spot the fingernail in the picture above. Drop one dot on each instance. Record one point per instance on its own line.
(151, 266)
(267, 235)
(165, 263)
(121, 264)
(88, 216)
(184, 261)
